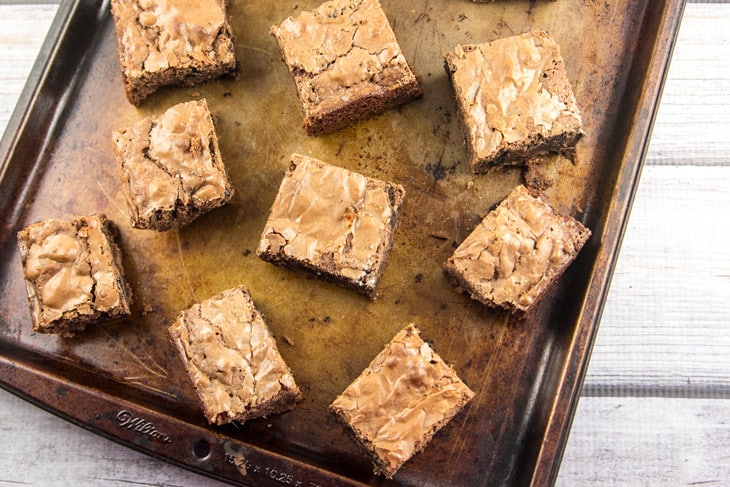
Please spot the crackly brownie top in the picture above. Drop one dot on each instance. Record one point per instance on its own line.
(231, 356)
(342, 50)
(512, 88)
(332, 217)
(514, 253)
(172, 161)
(159, 34)
(404, 394)
(70, 265)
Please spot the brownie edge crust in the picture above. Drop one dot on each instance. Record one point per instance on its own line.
(399, 402)
(232, 359)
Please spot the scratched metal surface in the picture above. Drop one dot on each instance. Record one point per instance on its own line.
(123, 380)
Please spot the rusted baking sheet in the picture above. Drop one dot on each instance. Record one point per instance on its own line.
(123, 380)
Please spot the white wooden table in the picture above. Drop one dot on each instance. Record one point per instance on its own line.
(655, 409)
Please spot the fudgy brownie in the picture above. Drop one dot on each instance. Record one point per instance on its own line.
(332, 223)
(171, 168)
(171, 42)
(514, 98)
(516, 252)
(401, 400)
(73, 274)
(232, 359)
(346, 63)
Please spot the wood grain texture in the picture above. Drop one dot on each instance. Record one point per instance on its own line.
(664, 329)
(694, 116)
(626, 441)
(655, 407)
(24, 28)
(44, 450)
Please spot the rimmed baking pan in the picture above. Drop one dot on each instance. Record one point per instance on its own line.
(123, 380)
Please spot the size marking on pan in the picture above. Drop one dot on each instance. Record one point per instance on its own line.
(128, 420)
(246, 467)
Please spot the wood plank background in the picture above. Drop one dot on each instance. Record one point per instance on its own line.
(655, 409)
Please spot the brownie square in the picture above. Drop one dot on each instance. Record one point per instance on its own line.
(517, 251)
(171, 42)
(232, 359)
(171, 167)
(73, 274)
(400, 401)
(346, 63)
(332, 223)
(514, 99)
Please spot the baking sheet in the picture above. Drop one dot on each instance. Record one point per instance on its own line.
(123, 380)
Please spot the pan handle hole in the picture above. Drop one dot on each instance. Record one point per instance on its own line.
(201, 449)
